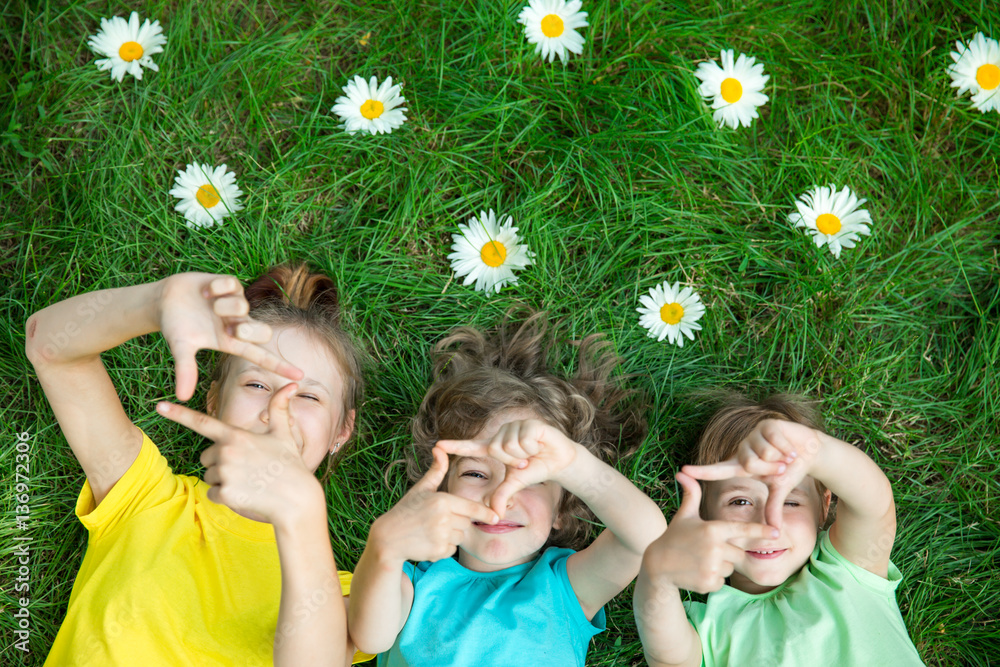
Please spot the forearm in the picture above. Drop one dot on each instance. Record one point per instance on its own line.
(81, 327)
(667, 636)
(862, 489)
(312, 621)
(631, 516)
(376, 609)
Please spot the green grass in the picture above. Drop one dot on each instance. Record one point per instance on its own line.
(618, 180)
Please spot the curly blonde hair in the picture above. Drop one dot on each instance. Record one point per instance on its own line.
(478, 375)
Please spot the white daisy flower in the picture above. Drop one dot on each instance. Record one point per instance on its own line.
(832, 217)
(733, 89)
(207, 195)
(369, 107)
(977, 68)
(551, 26)
(671, 312)
(127, 46)
(488, 253)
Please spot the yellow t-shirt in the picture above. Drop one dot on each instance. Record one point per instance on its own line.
(171, 578)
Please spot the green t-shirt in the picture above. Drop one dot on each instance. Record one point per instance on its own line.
(831, 613)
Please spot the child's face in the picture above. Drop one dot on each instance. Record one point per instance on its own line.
(531, 513)
(743, 499)
(317, 406)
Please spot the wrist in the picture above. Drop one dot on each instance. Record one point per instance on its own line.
(578, 474)
(379, 546)
(303, 507)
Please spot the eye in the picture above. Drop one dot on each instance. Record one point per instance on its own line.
(741, 502)
(791, 503)
(475, 474)
(309, 396)
(255, 385)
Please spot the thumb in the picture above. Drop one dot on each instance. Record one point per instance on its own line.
(435, 474)
(774, 509)
(691, 502)
(186, 371)
(278, 416)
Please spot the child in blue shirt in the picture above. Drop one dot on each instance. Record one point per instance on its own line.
(518, 466)
(781, 590)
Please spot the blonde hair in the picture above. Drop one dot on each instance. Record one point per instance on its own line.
(295, 297)
(478, 375)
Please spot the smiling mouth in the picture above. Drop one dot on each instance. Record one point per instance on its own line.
(765, 554)
(495, 528)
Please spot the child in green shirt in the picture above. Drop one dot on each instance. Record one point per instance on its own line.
(781, 590)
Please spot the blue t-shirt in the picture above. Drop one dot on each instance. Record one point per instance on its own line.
(524, 615)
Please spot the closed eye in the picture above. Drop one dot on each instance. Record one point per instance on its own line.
(309, 396)
(791, 503)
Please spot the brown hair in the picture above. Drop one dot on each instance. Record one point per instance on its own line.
(478, 375)
(295, 297)
(739, 415)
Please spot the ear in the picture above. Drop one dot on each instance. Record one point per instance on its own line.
(824, 503)
(347, 427)
(212, 401)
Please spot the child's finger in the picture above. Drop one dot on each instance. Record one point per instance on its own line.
(261, 357)
(756, 466)
(775, 436)
(200, 423)
(691, 502)
(253, 331)
(223, 285)
(231, 306)
(470, 510)
(185, 371)
(476, 448)
(278, 416)
(763, 448)
(724, 470)
(744, 530)
(774, 509)
(435, 474)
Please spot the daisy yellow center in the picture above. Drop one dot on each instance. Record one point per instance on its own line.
(672, 313)
(372, 109)
(988, 76)
(207, 196)
(493, 254)
(732, 90)
(552, 25)
(828, 223)
(130, 51)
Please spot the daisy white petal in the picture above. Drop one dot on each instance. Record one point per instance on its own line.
(127, 46)
(734, 89)
(977, 69)
(551, 26)
(207, 195)
(369, 107)
(671, 312)
(832, 217)
(487, 253)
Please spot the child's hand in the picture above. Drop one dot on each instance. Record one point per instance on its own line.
(698, 555)
(427, 524)
(532, 451)
(780, 452)
(204, 311)
(261, 473)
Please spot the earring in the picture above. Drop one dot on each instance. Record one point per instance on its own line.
(335, 448)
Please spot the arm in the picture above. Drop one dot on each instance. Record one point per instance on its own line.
(263, 476)
(424, 525)
(692, 554)
(632, 520)
(64, 342)
(668, 638)
(865, 528)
